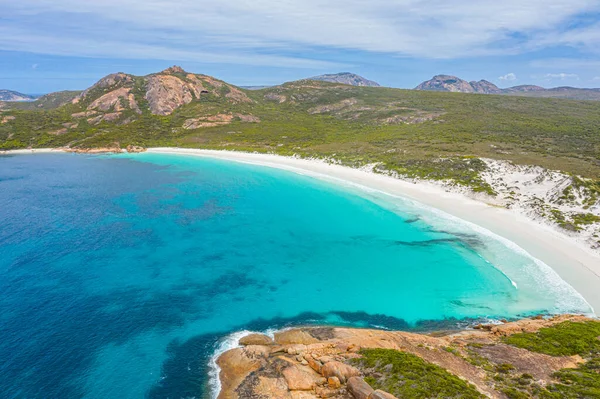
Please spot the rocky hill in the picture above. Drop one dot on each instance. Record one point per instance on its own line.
(9, 95)
(531, 358)
(346, 78)
(45, 102)
(454, 84)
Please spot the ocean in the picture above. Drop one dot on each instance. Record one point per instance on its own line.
(120, 275)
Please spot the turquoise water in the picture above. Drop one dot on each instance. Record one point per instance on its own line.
(119, 274)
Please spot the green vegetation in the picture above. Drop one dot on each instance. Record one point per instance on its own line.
(408, 376)
(582, 382)
(564, 339)
(420, 134)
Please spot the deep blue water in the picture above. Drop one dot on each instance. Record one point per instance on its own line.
(119, 274)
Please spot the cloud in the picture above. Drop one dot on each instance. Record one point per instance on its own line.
(260, 31)
(508, 77)
(34, 66)
(596, 78)
(561, 76)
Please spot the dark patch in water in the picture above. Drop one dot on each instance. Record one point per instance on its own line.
(373, 320)
(412, 220)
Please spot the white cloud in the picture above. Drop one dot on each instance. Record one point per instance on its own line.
(204, 30)
(508, 77)
(34, 66)
(596, 78)
(561, 76)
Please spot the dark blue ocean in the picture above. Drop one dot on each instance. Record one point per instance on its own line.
(119, 275)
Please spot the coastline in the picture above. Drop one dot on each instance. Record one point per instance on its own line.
(574, 262)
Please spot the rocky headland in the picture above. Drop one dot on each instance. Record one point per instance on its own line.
(527, 358)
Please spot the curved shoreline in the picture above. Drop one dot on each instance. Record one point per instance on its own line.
(575, 263)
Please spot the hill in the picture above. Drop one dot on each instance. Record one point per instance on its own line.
(346, 78)
(45, 102)
(9, 95)
(454, 84)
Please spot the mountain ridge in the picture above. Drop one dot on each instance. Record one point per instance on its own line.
(11, 95)
(348, 78)
(450, 83)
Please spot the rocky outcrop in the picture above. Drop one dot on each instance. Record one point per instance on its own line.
(256, 339)
(485, 87)
(359, 389)
(455, 84)
(167, 93)
(7, 119)
(116, 100)
(311, 363)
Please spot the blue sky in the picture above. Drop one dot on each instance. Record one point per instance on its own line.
(49, 45)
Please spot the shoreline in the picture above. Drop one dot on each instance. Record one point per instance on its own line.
(575, 263)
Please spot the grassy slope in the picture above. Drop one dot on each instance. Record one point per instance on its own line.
(408, 376)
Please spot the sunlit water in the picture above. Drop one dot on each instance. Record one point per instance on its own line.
(119, 274)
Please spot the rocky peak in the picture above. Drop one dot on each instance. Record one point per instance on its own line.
(347, 78)
(525, 88)
(174, 69)
(455, 84)
(446, 83)
(486, 87)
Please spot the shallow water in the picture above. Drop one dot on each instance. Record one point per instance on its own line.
(119, 274)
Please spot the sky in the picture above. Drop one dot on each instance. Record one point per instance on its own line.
(51, 45)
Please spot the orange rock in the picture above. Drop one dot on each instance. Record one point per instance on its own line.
(289, 337)
(334, 382)
(340, 370)
(256, 339)
(272, 388)
(359, 388)
(298, 379)
(379, 394)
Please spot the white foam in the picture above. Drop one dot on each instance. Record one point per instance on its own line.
(227, 343)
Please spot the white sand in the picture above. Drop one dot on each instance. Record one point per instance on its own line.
(31, 151)
(576, 263)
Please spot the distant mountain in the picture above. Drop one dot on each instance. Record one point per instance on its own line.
(9, 95)
(455, 84)
(255, 87)
(47, 101)
(346, 78)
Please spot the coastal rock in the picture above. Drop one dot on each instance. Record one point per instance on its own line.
(256, 339)
(379, 394)
(235, 366)
(314, 364)
(359, 388)
(325, 392)
(334, 383)
(271, 388)
(134, 148)
(299, 379)
(340, 370)
(289, 337)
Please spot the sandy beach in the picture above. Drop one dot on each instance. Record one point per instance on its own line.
(577, 264)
